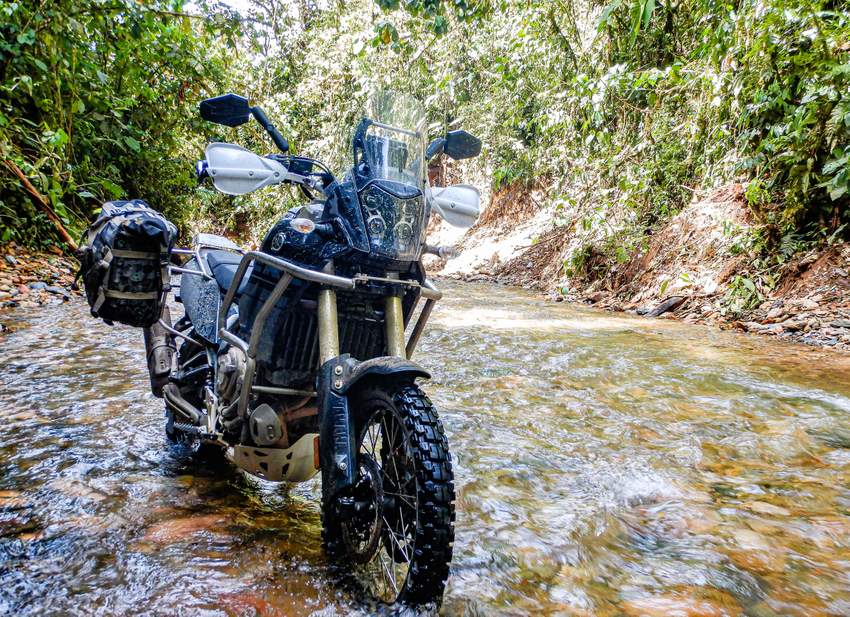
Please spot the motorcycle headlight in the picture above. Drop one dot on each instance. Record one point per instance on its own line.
(395, 224)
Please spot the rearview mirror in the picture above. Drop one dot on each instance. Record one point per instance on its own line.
(227, 109)
(236, 171)
(462, 145)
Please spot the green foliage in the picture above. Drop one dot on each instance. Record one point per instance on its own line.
(620, 109)
(97, 102)
(664, 97)
(434, 10)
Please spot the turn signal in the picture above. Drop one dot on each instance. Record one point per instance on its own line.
(302, 226)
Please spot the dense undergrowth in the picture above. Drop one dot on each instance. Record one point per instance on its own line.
(621, 110)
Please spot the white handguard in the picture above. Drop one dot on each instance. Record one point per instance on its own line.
(458, 204)
(236, 171)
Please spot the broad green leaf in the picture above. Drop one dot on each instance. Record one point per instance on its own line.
(134, 145)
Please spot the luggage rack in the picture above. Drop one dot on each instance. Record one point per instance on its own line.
(292, 271)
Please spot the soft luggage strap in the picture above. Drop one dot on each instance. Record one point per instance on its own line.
(131, 295)
(135, 254)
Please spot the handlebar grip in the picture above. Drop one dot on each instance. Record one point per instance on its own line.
(443, 252)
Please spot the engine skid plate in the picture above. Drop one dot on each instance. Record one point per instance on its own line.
(295, 464)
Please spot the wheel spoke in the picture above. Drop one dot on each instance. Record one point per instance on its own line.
(374, 433)
(410, 500)
(394, 537)
(386, 570)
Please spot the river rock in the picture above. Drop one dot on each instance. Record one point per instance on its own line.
(792, 325)
(175, 530)
(762, 507)
(763, 328)
(757, 553)
(59, 291)
(666, 606)
(10, 259)
(38, 285)
(840, 323)
(776, 314)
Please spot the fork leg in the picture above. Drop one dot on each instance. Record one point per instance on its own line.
(394, 316)
(328, 323)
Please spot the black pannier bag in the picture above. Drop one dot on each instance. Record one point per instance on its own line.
(124, 263)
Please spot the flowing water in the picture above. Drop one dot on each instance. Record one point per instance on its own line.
(605, 465)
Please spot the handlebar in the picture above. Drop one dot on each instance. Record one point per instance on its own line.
(443, 252)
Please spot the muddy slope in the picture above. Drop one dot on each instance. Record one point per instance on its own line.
(696, 267)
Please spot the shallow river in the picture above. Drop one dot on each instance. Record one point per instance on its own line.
(606, 465)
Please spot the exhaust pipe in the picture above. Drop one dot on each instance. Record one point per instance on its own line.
(160, 348)
(175, 401)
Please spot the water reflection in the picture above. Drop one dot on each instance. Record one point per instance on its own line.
(606, 465)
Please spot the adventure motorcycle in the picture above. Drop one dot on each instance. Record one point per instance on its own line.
(293, 358)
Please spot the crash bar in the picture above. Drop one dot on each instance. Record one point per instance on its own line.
(281, 264)
(292, 271)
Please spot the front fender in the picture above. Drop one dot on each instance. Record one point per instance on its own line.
(337, 378)
(383, 367)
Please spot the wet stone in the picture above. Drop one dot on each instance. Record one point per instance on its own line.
(58, 291)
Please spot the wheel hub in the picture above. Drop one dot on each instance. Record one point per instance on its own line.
(362, 529)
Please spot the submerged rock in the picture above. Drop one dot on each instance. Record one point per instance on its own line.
(176, 530)
(667, 606)
(59, 291)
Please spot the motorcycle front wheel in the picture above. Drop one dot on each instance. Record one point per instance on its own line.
(393, 533)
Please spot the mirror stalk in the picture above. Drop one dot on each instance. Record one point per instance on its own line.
(435, 148)
(278, 139)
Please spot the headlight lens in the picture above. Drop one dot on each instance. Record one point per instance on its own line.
(395, 225)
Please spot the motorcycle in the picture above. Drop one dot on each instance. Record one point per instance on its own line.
(293, 359)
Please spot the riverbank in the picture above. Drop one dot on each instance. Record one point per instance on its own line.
(30, 278)
(695, 268)
(699, 267)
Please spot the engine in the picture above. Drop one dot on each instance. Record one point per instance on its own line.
(228, 383)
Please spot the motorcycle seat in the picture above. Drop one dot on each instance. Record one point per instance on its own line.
(223, 265)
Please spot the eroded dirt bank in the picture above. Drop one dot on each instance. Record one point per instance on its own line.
(698, 267)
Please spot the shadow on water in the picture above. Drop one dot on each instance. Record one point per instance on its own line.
(605, 464)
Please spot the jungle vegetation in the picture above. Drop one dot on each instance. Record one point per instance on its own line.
(618, 110)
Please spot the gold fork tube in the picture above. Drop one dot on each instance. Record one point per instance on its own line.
(328, 326)
(328, 322)
(394, 316)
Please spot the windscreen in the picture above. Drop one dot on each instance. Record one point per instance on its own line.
(394, 143)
